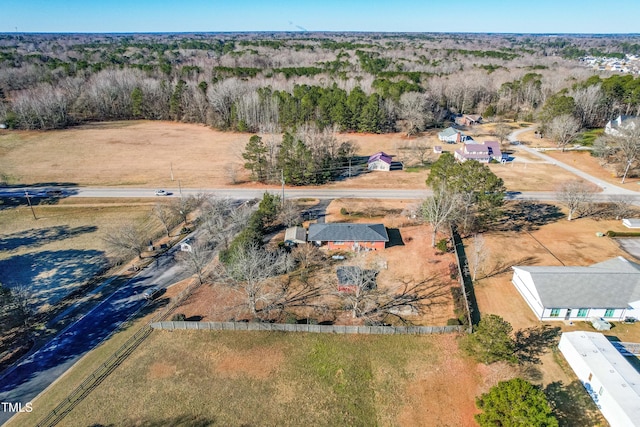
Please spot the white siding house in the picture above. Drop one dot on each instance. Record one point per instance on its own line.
(610, 380)
(610, 289)
(451, 135)
(622, 123)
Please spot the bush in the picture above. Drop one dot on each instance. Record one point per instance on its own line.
(442, 245)
(612, 233)
(178, 317)
(453, 322)
(344, 211)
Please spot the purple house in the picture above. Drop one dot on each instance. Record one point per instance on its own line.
(483, 153)
(380, 161)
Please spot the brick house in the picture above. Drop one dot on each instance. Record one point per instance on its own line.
(348, 236)
(468, 119)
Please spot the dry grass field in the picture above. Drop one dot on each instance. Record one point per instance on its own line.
(144, 154)
(57, 253)
(236, 379)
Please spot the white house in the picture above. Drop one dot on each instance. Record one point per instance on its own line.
(609, 289)
(380, 161)
(620, 124)
(610, 380)
(451, 135)
(484, 153)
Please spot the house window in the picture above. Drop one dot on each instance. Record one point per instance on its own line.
(609, 312)
(583, 312)
(338, 243)
(555, 312)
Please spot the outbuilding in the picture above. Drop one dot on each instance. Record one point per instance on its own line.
(611, 381)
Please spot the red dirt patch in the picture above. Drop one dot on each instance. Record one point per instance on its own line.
(257, 363)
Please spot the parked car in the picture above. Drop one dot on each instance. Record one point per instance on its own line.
(161, 193)
(151, 293)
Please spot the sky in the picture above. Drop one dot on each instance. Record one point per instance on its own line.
(487, 16)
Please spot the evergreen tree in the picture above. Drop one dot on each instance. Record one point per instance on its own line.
(255, 154)
(515, 403)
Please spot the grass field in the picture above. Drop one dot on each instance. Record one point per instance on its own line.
(147, 154)
(63, 248)
(235, 379)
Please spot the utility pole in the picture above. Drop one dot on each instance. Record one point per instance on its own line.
(26, 194)
(171, 166)
(180, 188)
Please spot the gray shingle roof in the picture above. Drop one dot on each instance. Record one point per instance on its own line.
(448, 132)
(610, 284)
(347, 232)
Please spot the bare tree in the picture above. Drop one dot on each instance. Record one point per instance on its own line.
(250, 273)
(564, 129)
(127, 240)
(359, 293)
(479, 254)
(196, 258)
(502, 132)
(439, 209)
(166, 215)
(620, 206)
(22, 297)
(412, 109)
(307, 256)
(576, 195)
(231, 171)
(602, 148)
(289, 214)
(628, 147)
(184, 205)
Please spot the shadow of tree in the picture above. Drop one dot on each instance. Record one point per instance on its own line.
(531, 343)
(51, 275)
(527, 216)
(43, 193)
(42, 236)
(179, 421)
(572, 405)
(504, 267)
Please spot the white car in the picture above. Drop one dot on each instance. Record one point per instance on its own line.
(161, 193)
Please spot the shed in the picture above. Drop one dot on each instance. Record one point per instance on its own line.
(295, 235)
(611, 381)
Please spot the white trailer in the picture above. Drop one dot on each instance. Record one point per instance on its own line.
(612, 383)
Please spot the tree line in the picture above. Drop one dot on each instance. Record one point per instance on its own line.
(359, 83)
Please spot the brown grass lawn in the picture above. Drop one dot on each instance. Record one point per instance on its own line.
(143, 153)
(234, 379)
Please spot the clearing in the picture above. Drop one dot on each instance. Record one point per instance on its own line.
(110, 153)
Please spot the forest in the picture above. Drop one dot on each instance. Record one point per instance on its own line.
(277, 82)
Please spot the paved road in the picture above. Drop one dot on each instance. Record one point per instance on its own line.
(35, 373)
(607, 188)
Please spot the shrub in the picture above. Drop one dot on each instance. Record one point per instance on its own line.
(178, 317)
(453, 322)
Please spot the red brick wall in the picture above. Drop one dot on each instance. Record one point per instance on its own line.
(348, 246)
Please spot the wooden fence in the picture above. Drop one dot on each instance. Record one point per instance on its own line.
(295, 327)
